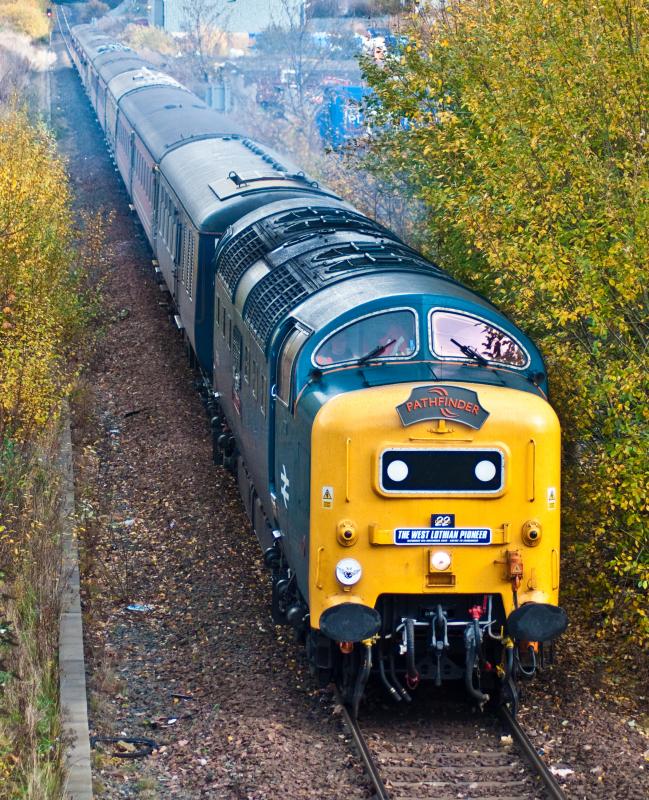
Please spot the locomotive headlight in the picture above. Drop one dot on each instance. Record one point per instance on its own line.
(348, 571)
(440, 560)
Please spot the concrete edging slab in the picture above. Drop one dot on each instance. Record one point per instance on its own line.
(72, 670)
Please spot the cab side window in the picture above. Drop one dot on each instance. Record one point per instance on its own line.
(290, 348)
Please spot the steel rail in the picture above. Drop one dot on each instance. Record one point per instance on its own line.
(381, 792)
(529, 752)
(526, 747)
(61, 13)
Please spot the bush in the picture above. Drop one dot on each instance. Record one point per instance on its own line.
(527, 141)
(30, 743)
(92, 9)
(41, 306)
(26, 17)
(141, 37)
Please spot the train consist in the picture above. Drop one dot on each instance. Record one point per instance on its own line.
(389, 428)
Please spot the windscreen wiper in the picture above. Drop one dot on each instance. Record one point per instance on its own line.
(471, 353)
(375, 351)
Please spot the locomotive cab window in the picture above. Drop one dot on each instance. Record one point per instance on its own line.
(462, 337)
(390, 335)
(290, 348)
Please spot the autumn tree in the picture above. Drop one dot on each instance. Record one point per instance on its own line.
(204, 21)
(522, 126)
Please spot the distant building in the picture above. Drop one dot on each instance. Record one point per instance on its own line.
(239, 16)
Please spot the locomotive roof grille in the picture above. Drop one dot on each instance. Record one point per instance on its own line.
(245, 248)
(116, 47)
(374, 264)
(315, 218)
(357, 254)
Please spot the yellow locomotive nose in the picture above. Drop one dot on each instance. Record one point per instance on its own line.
(434, 507)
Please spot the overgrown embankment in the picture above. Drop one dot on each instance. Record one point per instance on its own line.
(527, 141)
(44, 310)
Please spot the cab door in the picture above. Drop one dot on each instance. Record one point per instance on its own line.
(281, 399)
(290, 468)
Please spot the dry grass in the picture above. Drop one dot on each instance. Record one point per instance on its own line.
(30, 559)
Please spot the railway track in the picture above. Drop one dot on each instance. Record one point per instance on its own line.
(63, 25)
(441, 752)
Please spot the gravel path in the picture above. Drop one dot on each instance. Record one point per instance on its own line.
(203, 671)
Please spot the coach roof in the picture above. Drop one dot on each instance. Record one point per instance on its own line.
(168, 116)
(111, 64)
(141, 78)
(218, 173)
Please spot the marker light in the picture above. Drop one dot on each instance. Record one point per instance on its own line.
(397, 471)
(348, 571)
(485, 471)
(440, 560)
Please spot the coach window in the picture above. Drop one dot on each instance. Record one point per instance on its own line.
(184, 260)
(162, 204)
(462, 337)
(176, 237)
(190, 274)
(290, 349)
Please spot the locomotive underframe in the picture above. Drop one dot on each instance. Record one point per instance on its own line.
(430, 639)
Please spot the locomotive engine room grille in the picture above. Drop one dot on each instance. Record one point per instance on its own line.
(238, 256)
(429, 471)
(272, 297)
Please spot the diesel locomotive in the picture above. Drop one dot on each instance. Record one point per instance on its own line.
(389, 428)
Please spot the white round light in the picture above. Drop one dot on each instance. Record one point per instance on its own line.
(485, 470)
(441, 560)
(348, 571)
(397, 471)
